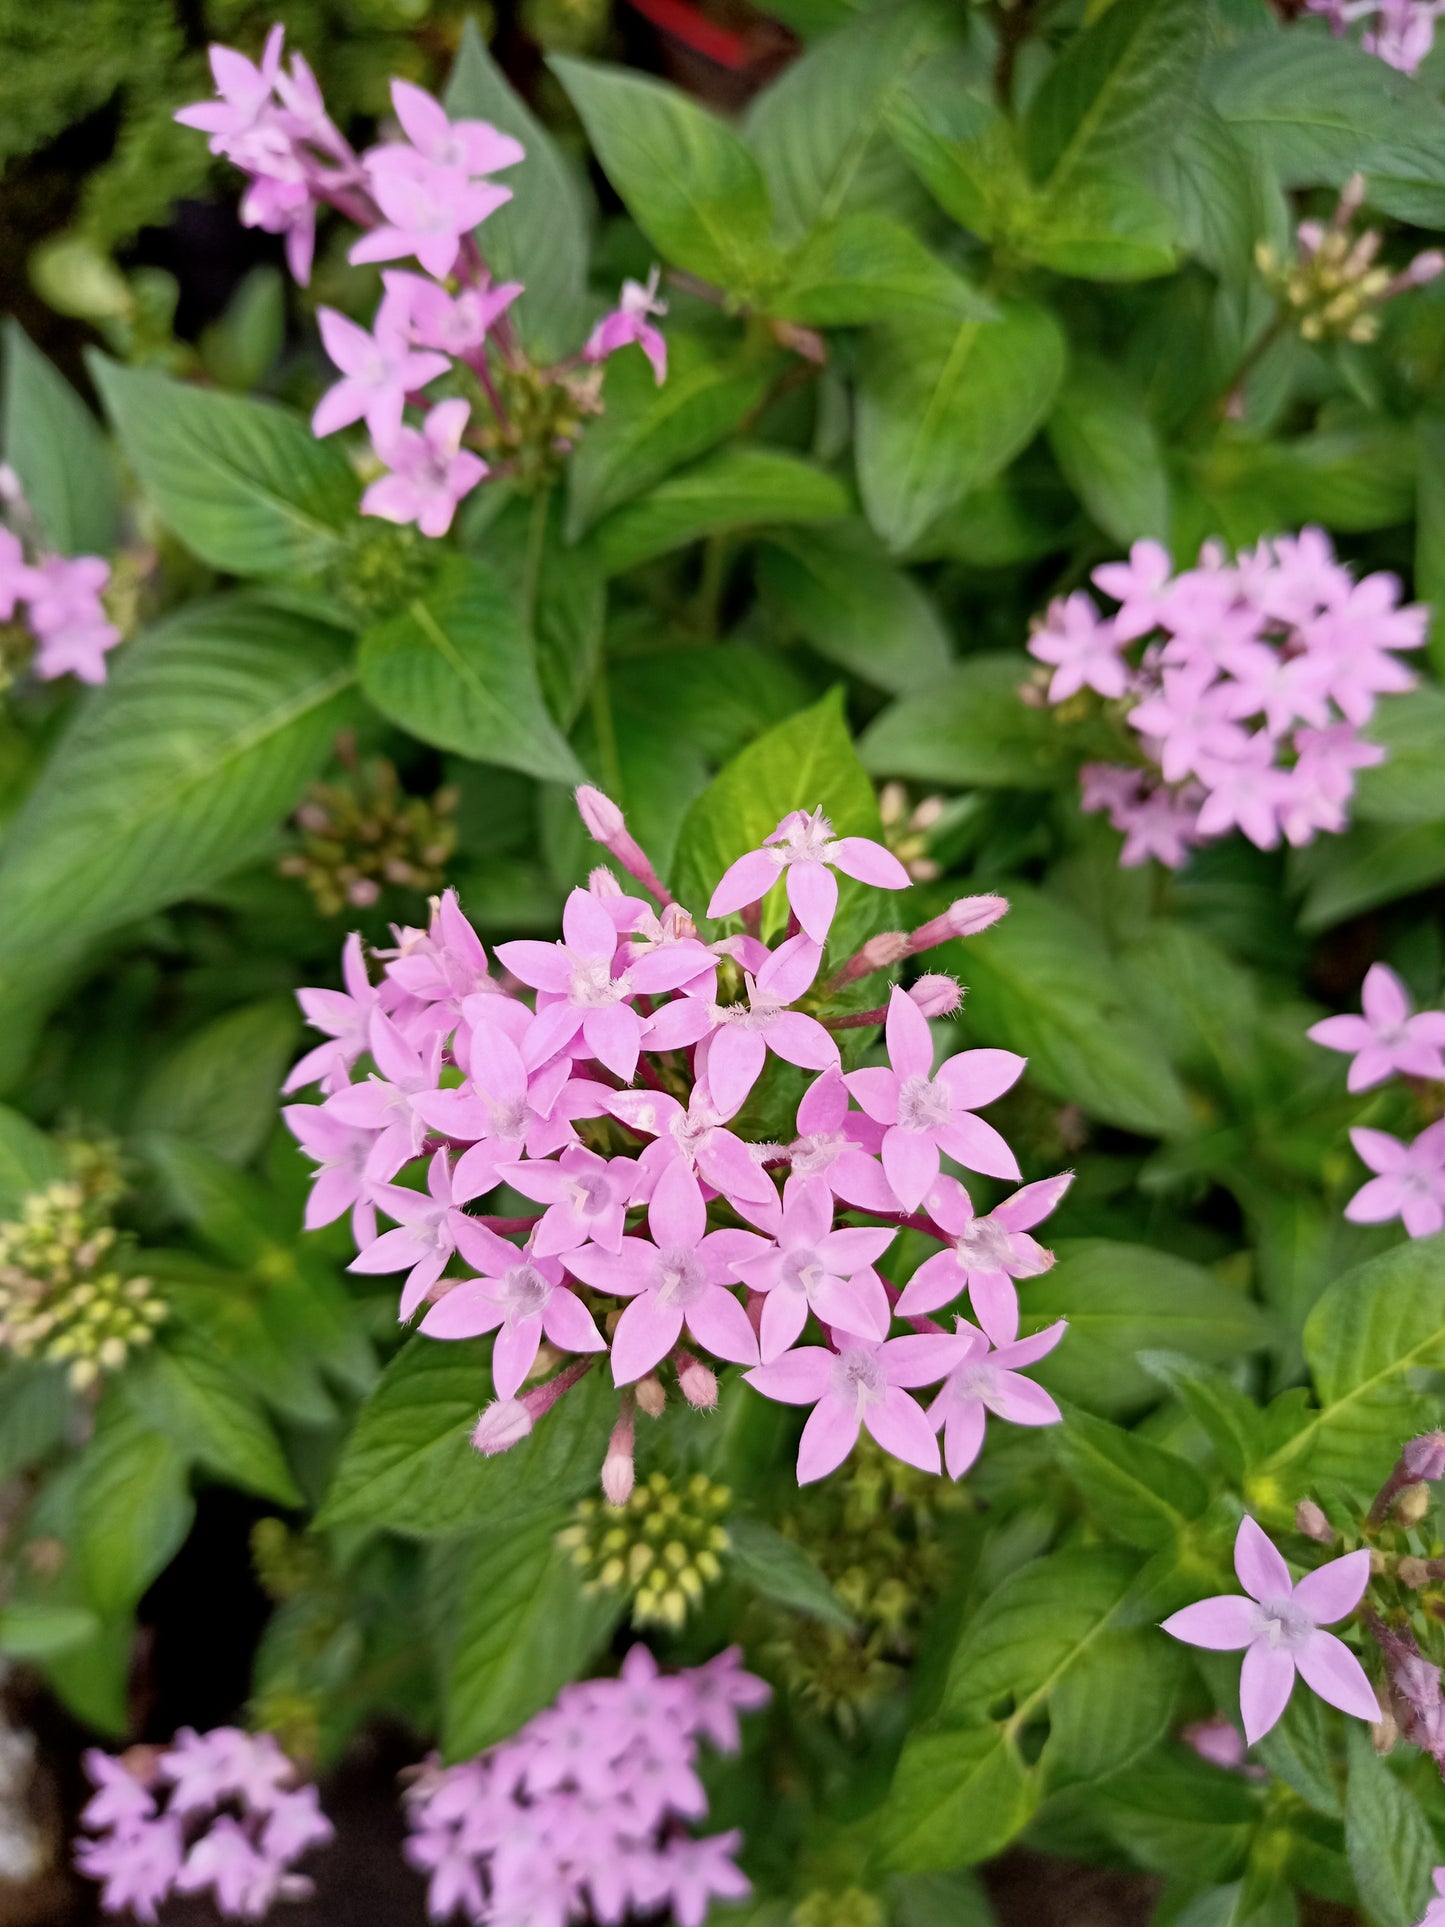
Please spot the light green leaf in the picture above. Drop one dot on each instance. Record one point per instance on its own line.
(456, 667)
(1100, 227)
(540, 237)
(133, 1509)
(198, 1403)
(686, 178)
(854, 606)
(959, 1795)
(1409, 787)
(1358, 475)
(970, 165)
(939, 1900)
(649, 430)
(1043, 983)
(738, 488)
(29, 1160)
(1391, 1847)
(1111, 452)
(36, 1408)
(1136, 1490)
(219, 1086)
(779, 1569)
(244, 484)
(1371, 863)
(1118, 89)
(30, 1631)
(53, 443)
(175, 773)
(864, 267)
(1179, 1816)
(1114, 1704)
(970, 728)
(1217, 192)
(942, 407)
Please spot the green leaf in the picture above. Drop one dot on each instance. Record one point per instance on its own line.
(525, 546)
(1391, 1847)
(854, 606)
(942, 407)
(1430, 533)
(1409, 787)
(514, 1627)
(939, 1900)
(1118, 89)
(969, 163)
(244, 484)
(1044, 984)
(1358, 475)
(1100, 227)
(29, 1160)
(1217, 193)
(133, 1509)
(1366, 1341)
(779, 1569)
(1113, 1704)
(738, 488)
(1371, 863)
(175, 773)
(864, 267)
(456, 667)
(1231, 1419)
(959, 1795)
(686, 178)
(805, 763)
(1297, 1750)
(1110, 452)
(970, 728)
(409, 1463)
(196, 1401)
(29, 1631)
(1136, 1491)
(540, 237)
(648, 431)
(92, 1681)
(1179, 1816)
(1123, 1299)
(219, 1087)
(36, 1407)
(53, 443)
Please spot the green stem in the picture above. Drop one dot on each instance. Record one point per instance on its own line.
(532, 562)
(601, 705)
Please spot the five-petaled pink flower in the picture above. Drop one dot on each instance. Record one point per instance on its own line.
(862, 1383)
(1409, 1183)
(741, 1035)
(839, 1146)
(428, 190)
(803, 847)
(520, 1297)
(988, 1379)
(1083, 646)
(925, 1114)
(812, 1267)
(1279, 1624)
(985, 1254)
(629, 322)
(378, 370)
(586, 1198)
(426, 1233)
(430, 471)
(1389, 1037)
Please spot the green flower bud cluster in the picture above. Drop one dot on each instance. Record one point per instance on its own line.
(850, 1908)
(380, 569)
(545, 411)
(662, 1548)
(65, 1296)
(364, 833)
(1332, 293)
(907, 827)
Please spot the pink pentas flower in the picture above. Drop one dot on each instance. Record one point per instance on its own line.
(630, 322)
(1159, 823)
(690, 1874)
(287, 208)
(68, 619)
(246, 90)
(446, 965)
(455, 325)
(1409, 1183)
(985, 1255)
(697, 1137)
(425, 1236)
(378, 370)
(429, 205)
(804, 849)
(1295, 577)
(814, 1268)
(1205, 616)
(430, 471)
(1190, 717)
(121, 1799)
(1137, 586)
(1245, 791)
(1390, 1038)
(586, 1198)
(985, 1379)
(244, 1880)
(504, 1110)
(345, 1018)
(521, 1297)
(839, 1147)
(136, 1865)
(1279, 1626)
(1083, 647)
(864, 1382)
(342, 1180)
(677, 1276)
(226, 1763)
(470, 147)
(385, 1101)
(739, 1036)
(924, 1114)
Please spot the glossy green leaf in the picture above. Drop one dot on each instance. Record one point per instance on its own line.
(196, 1401)
(738, 488)
(959, 1795)
(864, 267)
(1179, 1816)
(854, 606)
(1371, 863)
(1101, 227)
(1430, 533)
(970, 728)
(133, 1509)
(54, 444)
(1137, 1491)
(1111, 453)
(1409, 786)
(779, 1569)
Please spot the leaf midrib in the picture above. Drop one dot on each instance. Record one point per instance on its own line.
(1416, 1356)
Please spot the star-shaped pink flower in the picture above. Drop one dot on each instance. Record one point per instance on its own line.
(1389, 1038)
(812, 1267)
(430, 471)
(1410, 1180)
(840, 1147)
(986, 1254)
(378, 371)
(862, 1383)
(802, 848)
(988, 1379)
(520, 1297)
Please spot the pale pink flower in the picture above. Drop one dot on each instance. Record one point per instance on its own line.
(471, 147)
(345, 1017)
(814, 1268)
(698, 1138)
(1279, 1624)
(739, 1036)
(862, 1383)
(67, 618)
(1159, 823)
(924, 1114)
(803, 848)
(586, 1198)
(287, 208)
(690, 1874)
(521, 1297)
(342, 1181)
(137, 1865)
(1136, 585)
(1083, 646)
(1389, 1038)
(1246, 792)
(456, 325)
(986, 1379)
(628, 323)
(426, 1232)
(385, 1101)
(1410, 1180)
(985, 1255)
(1189, 718)
(121, 1800)
(379, 370)
(246, 101)
(840, 1147)
(430, 191)
(503, 1110)
(430, 471)
(244, 1880)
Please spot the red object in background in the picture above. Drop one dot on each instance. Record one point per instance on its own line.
(686, 23)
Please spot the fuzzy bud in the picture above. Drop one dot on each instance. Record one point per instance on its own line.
(1426, 267)
(1309, 1519)
(505, 1423)
(651, 1398)
(1424, 1457)
(618, 1472)
(699, 1385)
(889, 947)
(964, 918)
(1413, 1573)
(936, 996)
(602, 883)
(1412, 1505)
(601, 818)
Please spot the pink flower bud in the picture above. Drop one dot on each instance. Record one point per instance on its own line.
(505, 1423)
(601, 817)
(883, 951)
(651, 1398)
(1426, 267)
(1424, 1457)
(1311, 1521)
(965, 918)
(1217, 1740)
(602, 883)
(618, 1473)
(936, 995)
(699, 1385)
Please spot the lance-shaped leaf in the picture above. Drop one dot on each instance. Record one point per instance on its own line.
(54, 444)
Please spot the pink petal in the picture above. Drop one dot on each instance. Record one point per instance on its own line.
(1262, 1570)
(1376, 1202)
(995, 1305)
(1222, 1624)
(977, 1077)
(910, 1042)
(1021, 1402)
(542, 965)
(828, 1437)
(1385, 1000)
(623, 1273)
(392, 1251)
(569, 1325)
(614, 1038)
(923, 1359)
(813, 898)
(482, 1248)
(735, 1061)
(1422, 1217)
(876, 1089)
(718, 1322)
(1329, 1668)
(423, 119)
(646, 1332)
(514, 1354)
(339, 407)
(677, 1215)
(850, 1249)
(978, 1147)
(1379, 1150)
(465, 1312)
(1331, 1591)
(1266, 1681)
(808, 1218)
(686, 1020)
(852, 1304)
(784, 1315)
(869, 862)
(791, 969)
(1028, 1351)
(1373, 1065)
(824, 1105)
(1032, 1204)
(1341, 1033)
(911, 1161)
(744, 882)
(552, 1029)
(937, 1281)
(802, 1040)
(899, 1426)
(587, 929)
(797, 1378)
(963, 1437)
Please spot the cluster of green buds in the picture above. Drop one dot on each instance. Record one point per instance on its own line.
(365, 832)
(65, 1296)
(543, 412)
(380, 567)
(662, 1547)
(1334, 288)
(906, 829)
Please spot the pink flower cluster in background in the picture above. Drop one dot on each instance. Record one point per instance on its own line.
(1392, 1039)
(218, 1812)
(1401, 32)
(586, 1811)
(1248, 683)
(420, 197)
(60, 596)
(605, 1078)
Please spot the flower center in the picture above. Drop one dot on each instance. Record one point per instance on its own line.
(858, 1378)
(593, 984)
(808, 841)
(974, 1381)
(690, 1133)
(810, 1156)
(1283, 1623)
(804, 1271)
(509, 1118)
(984, 1246)
(525, 1292)
(923, 1104)
(589, 1194)
(757, 1015)
(681, 1276)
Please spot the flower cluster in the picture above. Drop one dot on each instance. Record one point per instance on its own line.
(1335, 287)
(365, 833)
(63, 1297)
(659, 1545)
(419, 197)
(1401, 32)
(1246, 684)
(61, 596)
(233, 1821)
(585, 1811)
(1391, 1039)
(685, 1234)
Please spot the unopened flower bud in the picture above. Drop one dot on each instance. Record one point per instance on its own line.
(883, 951)
(1427, 266)
(1413, 1573)
(651, 1398)
(1424, 1457)
(1412, 1505)
(936, 995)
(699, 1385)
(1309, 1519)
(618, 1472)
(602, 883)
(505, 1423)
(601, 817)
(964, 918)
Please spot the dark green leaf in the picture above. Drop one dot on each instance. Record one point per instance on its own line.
(1391, 1847)
(738, 488)
(133, 1509)
(855, 607)
(960, 1794)
(970, 728)
(196, 1401)
(1110, 452)
(53, 443)
(1100, 227)
(1430, 533)
(29, 1160)
(1371, 863)
(219, 1087)
(864, 267)
(779, 1569)
(1136, 1490)
(1409, 787)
